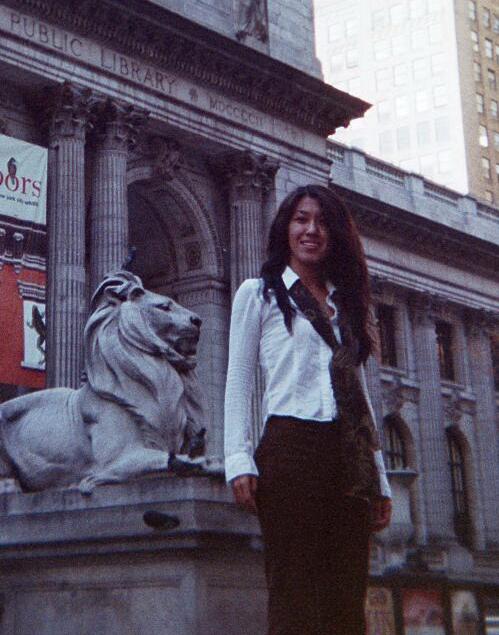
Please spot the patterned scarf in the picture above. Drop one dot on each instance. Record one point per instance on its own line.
(358, 434)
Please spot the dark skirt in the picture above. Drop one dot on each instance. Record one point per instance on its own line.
(316, 538)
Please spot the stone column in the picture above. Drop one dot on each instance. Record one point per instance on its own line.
(249, 177)
(67, 113)
(485, 463)
(435, 478)
(116, 127)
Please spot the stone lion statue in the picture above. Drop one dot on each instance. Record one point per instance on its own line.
(138, 408)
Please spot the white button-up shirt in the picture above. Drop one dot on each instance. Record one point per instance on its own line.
(297, 381)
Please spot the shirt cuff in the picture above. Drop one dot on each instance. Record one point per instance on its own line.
(383, 480)
(238, 464)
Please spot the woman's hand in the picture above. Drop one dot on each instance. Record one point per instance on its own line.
(381, 513)
(244, 488)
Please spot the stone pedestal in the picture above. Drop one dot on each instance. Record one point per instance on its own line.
(67, 112)
(91, 566)
(116, 127)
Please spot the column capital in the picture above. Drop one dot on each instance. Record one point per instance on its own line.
(66, 108)
(117, 124)
(423, 308)
(247, 170)
(480, 322)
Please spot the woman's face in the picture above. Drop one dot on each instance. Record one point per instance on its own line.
(308, 234)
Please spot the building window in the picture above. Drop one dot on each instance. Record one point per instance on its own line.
(420, 69)
(394, 446)
(489, 49)
(352, 27)
(397, 14)
(477, 71)
(439, 95)
(491, 77)
(337, 62)
(483, 137)
(471, 10)
(435, 32)
(494, 345)
(402, 106)
(417, 8)
(387, 328)
(497, 53)
(335, 32)
(419, 39)
(496, 140)
(474, 40)
(486, 18)
(386, 142)
(384, 111)
(403, 138)
(442, 129)
(427, 163)
(444, 161)
(379, 19)
(445, 350)
(493, 108)
(479, 103)
(423, 131)
(383, 78)
(496, 23)
(400, 75)
(381, 50)
(462, 521)
(497, 171)
(486, 168)
(352, 58)
(422, 101)
(489, 197)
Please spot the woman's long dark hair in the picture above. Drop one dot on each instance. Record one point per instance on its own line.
(345, 265)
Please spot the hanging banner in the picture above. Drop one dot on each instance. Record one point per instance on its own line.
(423, 612)
(379, 612)
(23, 213)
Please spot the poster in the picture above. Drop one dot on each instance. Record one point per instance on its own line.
(23, 210)
(465, 615)
(423, 612)
(379, 612)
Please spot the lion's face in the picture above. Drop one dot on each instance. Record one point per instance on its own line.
(172, 323)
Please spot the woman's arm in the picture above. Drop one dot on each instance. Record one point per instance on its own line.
(244, 343)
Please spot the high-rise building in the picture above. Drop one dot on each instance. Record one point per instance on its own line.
(430, 70)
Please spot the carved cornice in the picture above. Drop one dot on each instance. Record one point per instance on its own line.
(163, 38)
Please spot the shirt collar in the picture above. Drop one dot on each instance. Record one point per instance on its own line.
(289, 277)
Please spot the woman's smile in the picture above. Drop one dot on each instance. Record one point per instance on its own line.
(308, 234)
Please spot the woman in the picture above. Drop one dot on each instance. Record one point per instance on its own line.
(317, 480)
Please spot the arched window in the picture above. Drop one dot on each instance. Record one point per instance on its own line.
(394, 446)
(462, 520)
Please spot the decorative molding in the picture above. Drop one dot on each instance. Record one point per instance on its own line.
(453, 408)
(247, 170)
(169, 41)
(393, 396)
(31, 291)
(65, 110)
(117, 124)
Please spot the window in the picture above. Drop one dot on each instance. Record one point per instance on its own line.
(423, 132)
(462, 521)
(381, 50)
(491, 77)
(444, 161)
(400, 75)
(419, 39)
(440, 95)
(445, 350)
(386, 142)
(335, 32)
(435, 33)
(437, 63)
(399, 45)
(486, 18)
(474, 40)
(384, 111)
(497, 171)
(403, 138)
(420, 69)
(397, 14)
(494, 346)
(379, 19)
(442, 129)
(489, 197)
(471, 10)
(496, 140)
(337, 61)
(417, 8)
(486, 168)
(477, 71)
(422, 101)
(479, 103)
(352, 57)
(483, 137)
(489, 49)
(354, 86)
(394, 446)
(427, 163)
(402, 106)
(352, 27)
(496, 23)
(387, 328)
(493, 108)
(497, 53)
(383, 78)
